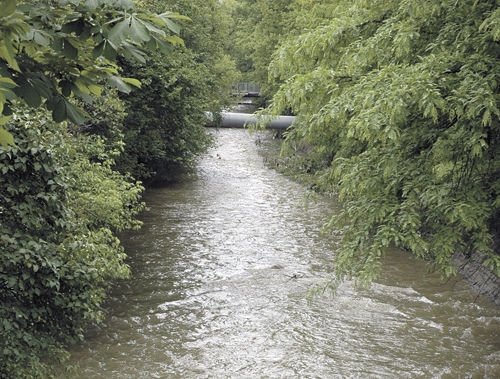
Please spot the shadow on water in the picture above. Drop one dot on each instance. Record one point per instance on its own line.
(223, 269)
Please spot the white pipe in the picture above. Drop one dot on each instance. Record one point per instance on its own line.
(242, 120)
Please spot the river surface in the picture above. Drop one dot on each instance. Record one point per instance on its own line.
(224, 277)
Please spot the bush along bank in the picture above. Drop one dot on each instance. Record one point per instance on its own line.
(400, 100)
(61, 205)
(65, 134)
(298, 164)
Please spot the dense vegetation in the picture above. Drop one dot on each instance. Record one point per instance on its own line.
(164, 126)
(398, 105)
(73, 142)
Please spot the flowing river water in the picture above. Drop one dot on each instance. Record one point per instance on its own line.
(224, 272)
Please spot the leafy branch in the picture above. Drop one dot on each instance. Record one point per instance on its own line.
(48, 55)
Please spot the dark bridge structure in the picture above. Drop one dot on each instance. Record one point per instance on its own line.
(246, 90)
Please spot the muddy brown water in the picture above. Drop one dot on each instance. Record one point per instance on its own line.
(223, 275)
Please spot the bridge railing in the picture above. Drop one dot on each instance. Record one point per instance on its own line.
(246, 89)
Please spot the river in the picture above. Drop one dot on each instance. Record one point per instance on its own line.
(224, 277)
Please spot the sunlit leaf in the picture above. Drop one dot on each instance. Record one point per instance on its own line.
(119, 84)
(120, 31)
(138, 31)
(132, 81)
(7, 53)
(175, 40)
(6, 138)
(7, 82)
(8, 7)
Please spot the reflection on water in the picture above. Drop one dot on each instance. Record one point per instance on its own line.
(223, 269)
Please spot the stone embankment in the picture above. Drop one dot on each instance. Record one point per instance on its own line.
(482, 280)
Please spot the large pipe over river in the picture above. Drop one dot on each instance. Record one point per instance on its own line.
(243, 120)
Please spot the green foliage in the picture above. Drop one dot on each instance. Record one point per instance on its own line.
(206, 37)
(401, 99)
(257, 29)
(50, 53)
(106, 117)
(63, 200)
(164, 130)
(60, 205)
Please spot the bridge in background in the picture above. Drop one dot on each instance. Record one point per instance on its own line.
(246, 89)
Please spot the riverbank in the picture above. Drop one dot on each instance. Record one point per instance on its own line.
(301, 169)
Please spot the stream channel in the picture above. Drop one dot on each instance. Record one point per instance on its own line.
(224, 272)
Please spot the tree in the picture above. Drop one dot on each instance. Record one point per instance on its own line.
(400, 98)
(51, 50)
(257, 30)
(61, 200)
(60, 207)
(164, 131)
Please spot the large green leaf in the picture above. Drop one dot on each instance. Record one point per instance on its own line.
(8, 54)
(68, 50)
(154, 29)
(7, 82)
(8, 7)
(63, 110)
(76, 26)
(119, 84)
(173, 26)
(107, 49)
(175, 40)
(74, 114)
(42, 38)
(6, 138)
(120, 31)
(42, 85)
(138, 31)
(28, 93)
(6, 87)
(133, 53)
(33, 87)
(132, 81)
